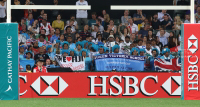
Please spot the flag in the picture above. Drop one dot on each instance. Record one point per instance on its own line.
(167, 65)
(23, 64)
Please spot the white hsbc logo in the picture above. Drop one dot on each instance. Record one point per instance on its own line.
(190, 44)
(61, 85)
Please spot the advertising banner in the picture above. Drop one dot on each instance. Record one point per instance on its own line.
(190, 62)
(100, 85)
(76, 63)
(9, 61)
(119, 62)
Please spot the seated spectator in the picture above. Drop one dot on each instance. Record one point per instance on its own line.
(105, 19)
(28, 68)
(92, 21)
(42, 39)
(166, 54)
(101, 50)
(99, 23)
(125, 18)
(56, 47)
(134, 51)
(98, 39)
(30, 20)
(21, 52)
(144, 32)
(71, 44)
(161, 15)
(126, 44)
(187, 18)
(65, 53)
(40, 68)
(197, 15)
(148, 48)
(124, 33)
(167, 23)
(139, 17)
(72, 52)
(48, 63)
(29, 56)
(94, 33)
(163, 37)
(171, 40)
(68, 32)
(133, 28)
(35, 47)
(141, 52)
(159, 44)
(56, 36)
(58, 23)
(79, 46)
(51, 34)
(177, 23)
(73, 28)
(65, 45)
(115, 49)
(41, 16)
(117, 40)
(62, 38)
(34, 28)
(150, 35)
(72, 17)
(46, 26)
(132, 38)
(88, 60)
(44, 16)
(41, 54)
(106, 33)
(153, 45)
(110, 39)
(42, 32)
(155, 22)
(49, 52)
(84, 34)
(112, 26)
(140, 44)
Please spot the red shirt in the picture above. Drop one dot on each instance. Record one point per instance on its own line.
(40, 70)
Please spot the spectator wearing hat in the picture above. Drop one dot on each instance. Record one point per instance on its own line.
(153, 45)
(65, 53)
(65, 45)
(150, 60)
(98, 22)
(72, 52)
(21, 52)
(133, 28)
(40, 68)
(101, 49)
(88, 60)
(56, 36)
(84, 34)
(81, 15)
(134, 51)
(41, 54)
(124, 19)
(141, 52)
(49, 52)
(115, 49)
(166, 54)
(79, 46)
(110, 39)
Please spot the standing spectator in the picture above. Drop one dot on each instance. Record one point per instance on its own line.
(3, 11)
(46, 26)
(167, 23)
(101, 28)
(54, 13)
(163, 37)
(58, 23)
(125, 18)
(187, 18)
(144, 32)
(155, 22)
(132, 27)
(139, 17)
(73, 28)
(56, 36)
(72, 17)
(112, 26)
(92, 21)
(82, 15)
(161, 15)
(84, 34)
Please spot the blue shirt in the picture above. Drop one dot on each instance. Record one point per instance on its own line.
(138, 16)
(88, 63)
(143, 33)
(54, 37)
(72, 46)
(169, 57)
(26, 35)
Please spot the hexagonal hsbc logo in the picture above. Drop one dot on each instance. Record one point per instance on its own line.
(49, 85)
(192, 44)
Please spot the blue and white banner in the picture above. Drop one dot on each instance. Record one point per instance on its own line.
(24, 63)
(119, 62)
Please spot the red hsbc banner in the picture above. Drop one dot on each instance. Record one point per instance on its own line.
(100, 85)
(190, 58)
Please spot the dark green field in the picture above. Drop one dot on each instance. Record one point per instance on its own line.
(99, 102)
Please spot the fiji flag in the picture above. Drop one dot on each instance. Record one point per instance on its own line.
(23, 64)
(167, 65)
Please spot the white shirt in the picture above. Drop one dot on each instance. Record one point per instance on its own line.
(164, 38)
(94, 34)
(81, 13)
(133, 28)
(157, 47)
(160, 16)
(73, 28)
(101, 28)
(3, 11)
(149, 52)
(75, 23)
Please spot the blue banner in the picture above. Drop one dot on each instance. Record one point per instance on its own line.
(119, 62)
(23, 64)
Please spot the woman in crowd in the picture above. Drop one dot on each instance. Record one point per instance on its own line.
(34, 28)
(29, 20)
(150, 35)
(49, 52)
(171, 40)
(58, 23)
(144, 42)
(112, 26)
(124, 33)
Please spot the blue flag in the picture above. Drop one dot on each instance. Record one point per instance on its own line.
(23, 64)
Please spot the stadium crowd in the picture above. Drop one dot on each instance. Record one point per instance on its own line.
(41, 39)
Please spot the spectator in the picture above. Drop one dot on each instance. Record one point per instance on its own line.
(166, 54)
(125, 46)
(144, 32)
(29, 56)
(30, 20)
(65, 53)
(94, 33)
(134, 51)
(140, 44)
(155, 54)
(125, 18)
(41, 16)
(112, 26)
(155, 22)
(150, 35)
(161, 15)
(148, 48)
(167, 23)
(142, 52)
(69, 33)
(56, 36)
(115, 49)
(106, 33)
(139, 17)
(46, 26)
(58, 23)
(40, 68)
(41, 55)
(3, 11)
(49, 52)
(29, 11)
(21, 52)
(101, 28)
(72, 17)
(73, 28)
(197, 15)
(72, 45)
(110, 39)
(177, 23)
(42, 39)
(44, 16)
(88, 60)
(125, 32)
(132, 27)
(34, 28)
(42, 31)
(144, 41)
(163, 37)
(92, 21)
(105, 18)
(187, 18)
(62, 38)
(81, 15)
(99, 39)
(153, 45)
(84, 34)
(55, 13)
(132, 38)
(172, 40)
